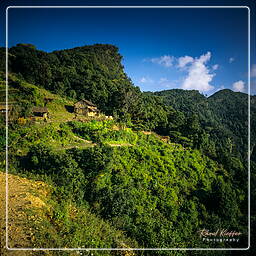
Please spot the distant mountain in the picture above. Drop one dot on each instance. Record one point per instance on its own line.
(225, 112)
(183, 100)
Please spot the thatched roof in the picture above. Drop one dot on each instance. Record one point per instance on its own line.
(86, 102)
(2, 107)
(39, 110)
(94, 110)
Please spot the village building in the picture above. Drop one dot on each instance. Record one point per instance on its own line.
(87, 108)
(10, 109)
(3, 108)
(40, 112)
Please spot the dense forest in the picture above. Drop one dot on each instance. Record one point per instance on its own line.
(157, 192)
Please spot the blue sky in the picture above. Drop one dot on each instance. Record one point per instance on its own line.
(202, 49)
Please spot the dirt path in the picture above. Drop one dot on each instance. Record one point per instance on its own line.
(120, 145)
(24, 194)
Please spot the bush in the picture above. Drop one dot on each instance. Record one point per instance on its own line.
(62, 169)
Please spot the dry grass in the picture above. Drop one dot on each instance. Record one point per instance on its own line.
(23, 194)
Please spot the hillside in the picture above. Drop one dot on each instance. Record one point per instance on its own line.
(170, 186)
(94, 72)
(36, 220)
(169, 164)
(224, 116)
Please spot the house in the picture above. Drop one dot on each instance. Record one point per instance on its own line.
(40, 112)
(87, 108)
(10, 110)
(165, 138)
(3, 108)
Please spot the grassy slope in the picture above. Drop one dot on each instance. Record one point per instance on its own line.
(51, 229)
(62, 227)
(59, 114)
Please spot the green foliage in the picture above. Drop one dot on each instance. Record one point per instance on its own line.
(102, 131)
(2, 138)
(62, 169)
(160, 194)
(67, 226)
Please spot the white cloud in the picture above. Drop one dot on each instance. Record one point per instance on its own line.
(183, 61)
(239, 86)
(231, 59)
(205, 58)
(146, 80)
(166, 60)
(199, 76)
(215, 67)
(198, 73)
(253, 70)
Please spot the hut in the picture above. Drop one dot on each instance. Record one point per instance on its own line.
(87, 108)
(3, 108)
(40, 112)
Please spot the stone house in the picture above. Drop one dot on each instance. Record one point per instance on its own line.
(86, 108)
(40, 112)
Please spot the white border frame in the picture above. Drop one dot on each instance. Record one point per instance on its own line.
(129, 249)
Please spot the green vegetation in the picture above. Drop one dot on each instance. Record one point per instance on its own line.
(169, 164)
(63, 224)
(159, 194)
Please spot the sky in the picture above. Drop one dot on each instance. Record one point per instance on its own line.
(162, 48)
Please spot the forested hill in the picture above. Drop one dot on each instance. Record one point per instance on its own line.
(96, 73)
(93, 72)
(222, 115)
(158, 190)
